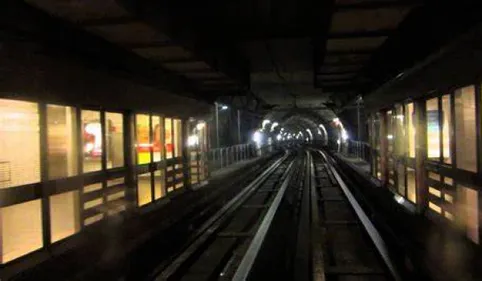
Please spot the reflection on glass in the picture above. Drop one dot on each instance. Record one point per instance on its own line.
(91, 141)
(114, 127)
(168, 137)
(409, 116)
(143, 139)
(144, 192)
(159, 188)
(64, 215)
(446, 124)
(157, 142)
(465, 133)
(433, 130)
(178, 145)
(19, 143)
(61, 141)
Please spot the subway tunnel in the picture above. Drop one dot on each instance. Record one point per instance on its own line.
(240, 140)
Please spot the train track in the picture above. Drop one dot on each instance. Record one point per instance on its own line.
(346, 245)
(325, 234)
(220, 244)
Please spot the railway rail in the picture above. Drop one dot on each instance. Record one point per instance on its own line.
(251, 237)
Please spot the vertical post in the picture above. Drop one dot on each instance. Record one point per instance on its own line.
(45, 201)
(103, 131)
(239, 126)
(421, 155)
(358, 118)
(217, 124)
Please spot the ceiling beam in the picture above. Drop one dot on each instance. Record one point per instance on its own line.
(377, 4)
(355, 34)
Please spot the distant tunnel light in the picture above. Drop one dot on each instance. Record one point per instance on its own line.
(224, 107)
(192, 140)
(278, 137)
(257, 137)
(309, 133)
(200, 126)
(344, 135)
(265, 122)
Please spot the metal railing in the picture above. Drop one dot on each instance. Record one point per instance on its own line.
(357, 149)
(222, 157)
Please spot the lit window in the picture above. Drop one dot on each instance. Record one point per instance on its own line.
(178, 145)
(433, 130)
(21, 230)
(157, 138)
(168, 137)
(91, 141)
(19, 143)
(446, 124)
(159, 188)
(144, 191)
(143, 138)
(114, 126)
(465, 133)
(61, 141)
(468, 206)
(409, 116)
(64, 215)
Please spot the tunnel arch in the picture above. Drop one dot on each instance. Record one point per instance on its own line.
(314, 124)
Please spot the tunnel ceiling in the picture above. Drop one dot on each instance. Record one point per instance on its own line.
(271, 56)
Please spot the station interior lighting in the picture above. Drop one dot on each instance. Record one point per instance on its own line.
(279, 137)
(224, 107)
(273, 126)
(309, 133)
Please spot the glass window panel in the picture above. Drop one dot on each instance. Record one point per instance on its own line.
(114, 126)
(168, 137)
(433, 130)
(64, 215)
(61, 141)
(91, 141)
(178, 145)
(400, 135)
(19, 143)
(434, 176)
(159, 184)
(468, 211)
(390, 135)
(465, 134)
(21, 229)
(446, 124)
(157, 135)
(411, 185)
(434, 207)
(401, 179)
(93, 219)
(410, 117)
(143, 137)
(144, 192)
(435, 192)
